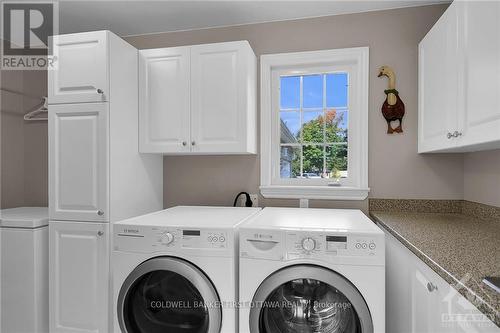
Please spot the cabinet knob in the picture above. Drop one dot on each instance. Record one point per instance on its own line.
(100, 213)
(193, 143)
(184, 143)
(431, 287)
(100, 233)
(99, 91)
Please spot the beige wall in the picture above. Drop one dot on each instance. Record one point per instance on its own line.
(23, 145)
(36, 168)
(395, 168)
(12, 141)
(482, 177)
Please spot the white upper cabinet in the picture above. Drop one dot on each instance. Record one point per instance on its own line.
(81, 73)
(222, 79)
(78, 162)
(438, 86)
(480, 123)
(459, 80)
(198, 99)
(164, 115)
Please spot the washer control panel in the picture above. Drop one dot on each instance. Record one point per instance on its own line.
(332, 246)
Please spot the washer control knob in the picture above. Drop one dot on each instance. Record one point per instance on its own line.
(308, 244)
(167, 238)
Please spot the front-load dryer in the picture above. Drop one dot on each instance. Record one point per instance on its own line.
(176, 270)
(311, 270)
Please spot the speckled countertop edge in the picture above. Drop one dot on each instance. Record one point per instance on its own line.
(486, 308)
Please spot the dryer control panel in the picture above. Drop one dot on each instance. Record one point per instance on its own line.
(322, 245)
(300, 243)
(153, 239)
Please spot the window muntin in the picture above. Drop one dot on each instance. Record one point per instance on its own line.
(314, 125)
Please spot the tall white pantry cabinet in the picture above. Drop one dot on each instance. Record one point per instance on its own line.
(96, 173)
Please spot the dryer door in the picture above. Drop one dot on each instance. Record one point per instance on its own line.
(307, 298)
(166, 294)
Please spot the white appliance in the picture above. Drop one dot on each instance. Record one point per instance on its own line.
(311, 270)
(24, 270)
(176, 270)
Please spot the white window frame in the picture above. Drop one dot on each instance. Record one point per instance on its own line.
(354, 61)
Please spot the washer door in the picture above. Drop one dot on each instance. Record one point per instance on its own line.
(168, 294)
(307, 298)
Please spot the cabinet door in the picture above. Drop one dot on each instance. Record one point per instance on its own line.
(425, 304)
(481, 33)
(398, 295)
(438, 84)
(219, 98)
(78, 162)
(164, 111)
(81, 73)
(79, 277)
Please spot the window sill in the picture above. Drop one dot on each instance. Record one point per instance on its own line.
(314, 192)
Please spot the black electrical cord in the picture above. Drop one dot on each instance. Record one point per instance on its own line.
(248, 201)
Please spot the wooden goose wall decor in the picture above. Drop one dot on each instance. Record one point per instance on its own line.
(393, 108)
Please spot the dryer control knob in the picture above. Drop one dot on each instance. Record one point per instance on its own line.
(308, 244)
(167, 238)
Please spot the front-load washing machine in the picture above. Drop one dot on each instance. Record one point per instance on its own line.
(311, 270)
(176, 270)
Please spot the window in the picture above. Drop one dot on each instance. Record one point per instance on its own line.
(314, 124)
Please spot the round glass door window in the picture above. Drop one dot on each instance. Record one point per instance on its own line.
(309, 299)
(307, 305)
(164, 301)
(168, 295)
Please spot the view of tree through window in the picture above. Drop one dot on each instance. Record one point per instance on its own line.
(314, 126)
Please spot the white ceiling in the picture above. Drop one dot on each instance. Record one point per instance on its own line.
(145, 16)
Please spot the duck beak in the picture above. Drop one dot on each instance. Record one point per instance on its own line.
(380, 74)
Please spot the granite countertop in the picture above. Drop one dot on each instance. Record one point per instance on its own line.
(462, 249)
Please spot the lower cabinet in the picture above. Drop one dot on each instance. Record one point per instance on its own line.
(418, 300)
(79, 276)
(428, 294)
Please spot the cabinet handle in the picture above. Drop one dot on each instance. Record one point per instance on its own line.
(431, 287)
(449, 135)
(100, 233)
(184, 143)
(99, 91)
(193, 143)
(100, 213)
